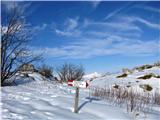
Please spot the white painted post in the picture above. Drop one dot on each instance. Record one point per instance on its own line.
(76, 100)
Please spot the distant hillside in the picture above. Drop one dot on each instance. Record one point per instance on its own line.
(142, 67)
(145, 75)
(92, 76)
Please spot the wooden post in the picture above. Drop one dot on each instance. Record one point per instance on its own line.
(76, 100)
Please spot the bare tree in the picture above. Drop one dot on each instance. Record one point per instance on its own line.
(46, 71)
(15, 35)
(70, 72)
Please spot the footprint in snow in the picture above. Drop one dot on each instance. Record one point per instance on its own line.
(5, 110)
(26, 98)
(48, 113)
(16, 116)
(33, 112)
(53, 96)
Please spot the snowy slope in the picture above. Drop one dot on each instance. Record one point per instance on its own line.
(46, 101)
(43, 100)
(154, 70)
(36, 99)
(92, 75)
(131, 79)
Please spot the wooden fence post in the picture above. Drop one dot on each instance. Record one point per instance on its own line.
(76, 100)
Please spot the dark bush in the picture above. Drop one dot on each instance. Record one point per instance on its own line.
(146, 87)
(46, 71)
(128, 86)
(116, 86)
(123, 75)
(148, 76)
(157, 76)
(141, 68)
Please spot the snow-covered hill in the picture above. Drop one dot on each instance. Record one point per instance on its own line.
(131, 79)
(20, 78)
(153, 70)
(92, 76)
(39, 99)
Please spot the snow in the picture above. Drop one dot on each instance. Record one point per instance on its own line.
(92, 75)
(36, 76)
(38, 102)
(36, 99)
(131, 79)
(154, 70)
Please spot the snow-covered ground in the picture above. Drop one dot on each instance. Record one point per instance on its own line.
(92, 75)
(43, 100)
(131, 79)
(48, 100)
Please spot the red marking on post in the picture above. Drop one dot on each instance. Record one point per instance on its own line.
(80, 84)
(70, 82)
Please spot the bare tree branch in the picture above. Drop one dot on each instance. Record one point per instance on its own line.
(70, 72)
(14, 40)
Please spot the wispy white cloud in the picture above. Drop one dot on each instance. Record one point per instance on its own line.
(74, 33)
(120, 36)
(102, 34)
(97, 47)
(117, 11)
(49, 52)
(69, 28)
(147, 23)
(152, 9)
(8, 6)
(71, 24)
(132, 19)
(39, 27)
(95, 3)
(63, 33)
(149, 8)
(120, 25)
(73, 28)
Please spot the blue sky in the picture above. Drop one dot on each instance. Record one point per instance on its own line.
(102, 36)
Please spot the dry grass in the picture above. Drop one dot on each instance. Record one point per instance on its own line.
(123, 96)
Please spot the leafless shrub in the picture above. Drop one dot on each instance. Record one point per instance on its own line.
(126, 70)
(46, 71)
(157, 64)
(27, 68)
(70, 72)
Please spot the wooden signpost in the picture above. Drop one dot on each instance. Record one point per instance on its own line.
(76, 100)
(77, 84)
